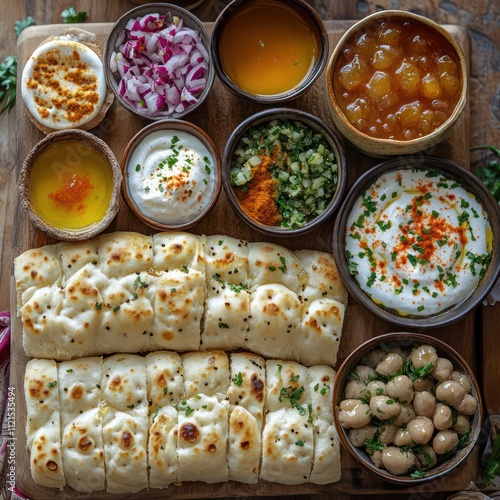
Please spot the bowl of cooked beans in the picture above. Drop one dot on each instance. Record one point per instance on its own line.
(397, 83)
(407, 407)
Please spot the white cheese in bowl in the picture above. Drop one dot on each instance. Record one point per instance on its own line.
(170, 176)
(417, 242)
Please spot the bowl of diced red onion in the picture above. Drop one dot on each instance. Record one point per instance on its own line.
(157, 63)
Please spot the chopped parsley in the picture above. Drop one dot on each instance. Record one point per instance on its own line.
(238, 380)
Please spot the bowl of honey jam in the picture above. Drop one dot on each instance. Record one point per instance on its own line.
(397, 82)
(269, 51)
(69, 185)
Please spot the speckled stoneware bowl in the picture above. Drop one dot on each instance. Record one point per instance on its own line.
(286, 114)
(316, 27)
(167, 126)
(90, 141)
(189, 20)
(389, 147)
(473, 185)
(406, 340)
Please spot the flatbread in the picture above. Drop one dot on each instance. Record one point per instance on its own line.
(162, 447)
(244, 446)
(165, 376)
(75, 255)
(206, 373)
(225, 324)
(35, 269)
(320, 332)
(124, 253)
(247, 388)
(269, 263)
(287, 384)
(287, 447)
(125, 424)
(81, 423)
(322, 277)
(125, 451)
(326, 462)
(176, 250)
(202, 439)
(227, 258)
(41, 319)
(179, 300)
(274, 317)
(127, 313)
(43, 430)
(124, 383)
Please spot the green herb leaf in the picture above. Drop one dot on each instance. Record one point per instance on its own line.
(165, 391)
(19, 26)
(70, 15)
(8, 81)
(418, 474)
(52, 384)
(373, 445)
(300, 442)
(238, 380)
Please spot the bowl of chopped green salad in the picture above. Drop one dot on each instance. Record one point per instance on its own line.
(284, 171)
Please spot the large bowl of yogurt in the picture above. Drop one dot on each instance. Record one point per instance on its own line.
(171, 174)
(416, 241)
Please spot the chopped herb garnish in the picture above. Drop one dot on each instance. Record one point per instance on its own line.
(294, 378)
(283, 267)
(223, 325)
(238, 380)
(165, 391)
(300, 442)
(98, 305)
(116, 308)
(52, 384)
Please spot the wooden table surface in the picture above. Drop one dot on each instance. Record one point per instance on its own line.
(481, 18)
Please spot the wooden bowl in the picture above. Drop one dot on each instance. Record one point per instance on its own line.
(315, 25)
(171, 125)
(406, 341)
(190, 20)
(380, 147)
(473, 185)
(286, 114)
(86, 140)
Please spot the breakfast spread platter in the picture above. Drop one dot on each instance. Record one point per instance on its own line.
(219, 115)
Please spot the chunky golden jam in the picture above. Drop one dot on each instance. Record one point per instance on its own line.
(418, 242)
(397, 79)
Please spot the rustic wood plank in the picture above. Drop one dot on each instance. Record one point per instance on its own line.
(218, 116)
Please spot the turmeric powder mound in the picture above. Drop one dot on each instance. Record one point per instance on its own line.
(259, 202)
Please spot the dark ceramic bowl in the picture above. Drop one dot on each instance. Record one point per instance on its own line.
(406, 341)
(190, 20)
(474, 186)
(87, 141)
(172, 126)
(316, 27)
(380, 147)
(284, 114)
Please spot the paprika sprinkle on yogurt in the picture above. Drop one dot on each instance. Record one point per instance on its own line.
(418, 242)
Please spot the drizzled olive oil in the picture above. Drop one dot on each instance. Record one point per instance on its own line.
(266, 48)
(70, 185)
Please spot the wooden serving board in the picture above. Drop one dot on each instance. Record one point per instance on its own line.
(218, 116)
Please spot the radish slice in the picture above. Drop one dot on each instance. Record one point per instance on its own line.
(160, 65)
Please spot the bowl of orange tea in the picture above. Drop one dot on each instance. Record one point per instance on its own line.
(269, 51)
(69, 185)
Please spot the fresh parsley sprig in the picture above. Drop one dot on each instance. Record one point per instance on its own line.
(8, 79)
(70, 15)
(489, 172)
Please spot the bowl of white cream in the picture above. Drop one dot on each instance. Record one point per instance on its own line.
(416, 241)
(171, 174)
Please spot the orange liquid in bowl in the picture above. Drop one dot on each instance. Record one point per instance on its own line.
(266, 48)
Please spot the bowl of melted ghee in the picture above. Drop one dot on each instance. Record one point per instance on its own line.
(269, 51)
(69, 185)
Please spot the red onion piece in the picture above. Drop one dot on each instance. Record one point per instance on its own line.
(161, 66)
